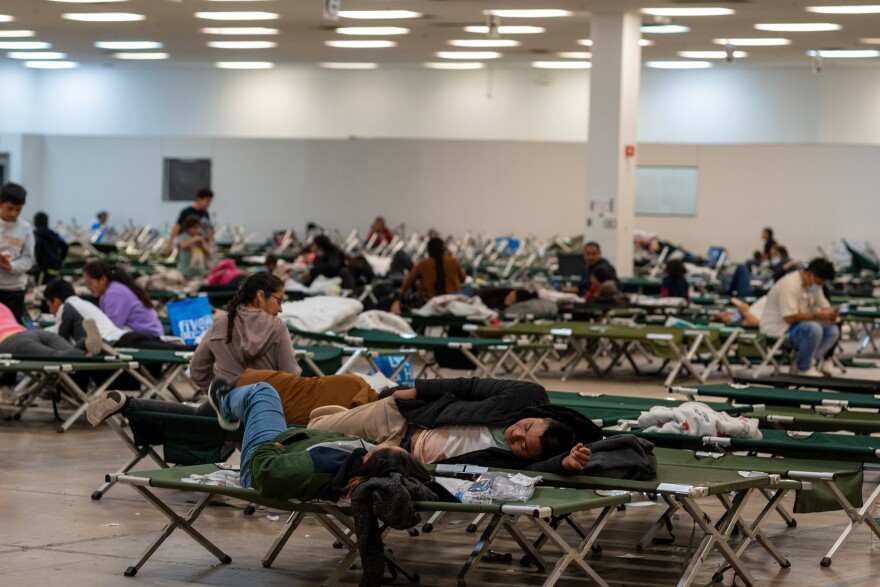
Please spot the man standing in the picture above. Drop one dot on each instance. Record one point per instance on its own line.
(199, 208)
(797, 306)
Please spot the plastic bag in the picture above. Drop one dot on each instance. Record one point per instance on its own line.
(498, 488)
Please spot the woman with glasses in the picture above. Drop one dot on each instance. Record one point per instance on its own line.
(250, 336)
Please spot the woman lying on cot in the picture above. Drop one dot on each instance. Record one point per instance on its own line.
(281, 463)
(15, 339)
(124, 301)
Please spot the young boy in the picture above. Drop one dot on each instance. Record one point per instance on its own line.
(50, 249)
(193, 248)
(16, 249)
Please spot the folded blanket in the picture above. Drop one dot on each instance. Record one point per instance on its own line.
(698, 419)
(623, 456)
(384, 321)
(456, 305)
(322, 313)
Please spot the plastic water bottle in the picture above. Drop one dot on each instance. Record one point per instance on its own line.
(875, 540)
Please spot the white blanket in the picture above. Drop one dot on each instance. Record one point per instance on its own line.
(322, 313)
(698, 419)
(384, 321)
(321, 285)
(456, 305)
(558, 296)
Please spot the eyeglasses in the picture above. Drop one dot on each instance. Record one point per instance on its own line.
(278, 299)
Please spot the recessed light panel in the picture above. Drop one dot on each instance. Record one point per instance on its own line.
(678, 64)
(866, 9)
(242, 44)
(562, 64)
(664, 29)
(379, 14)
(506, 29)
(468, 54)
(348, 65)
(753, 42)
(575, 54)
(484, 43)
(51, 64)
(103, 16)
(798, 27)
(361, 44)
(244, 64)
(372, 30)
(145, 56)
(696, 11)
(128, 45)
(41, 55)
(711, 54)
(454, 65)
(239, 30)
(25, 45)
(531, 13)
(845, 53)
(256, 15)
(16, 34)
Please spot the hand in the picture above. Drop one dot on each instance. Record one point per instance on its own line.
(826, 314)
(569, 289)
(5, 263)
(405, 393)
(166, 250)
(577, 459)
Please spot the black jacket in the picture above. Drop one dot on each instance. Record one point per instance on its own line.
(494, 403)
(49, 248)
(588, 271)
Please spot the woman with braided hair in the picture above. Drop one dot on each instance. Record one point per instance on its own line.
(250, 336)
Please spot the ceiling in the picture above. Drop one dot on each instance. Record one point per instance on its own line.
(303, 30)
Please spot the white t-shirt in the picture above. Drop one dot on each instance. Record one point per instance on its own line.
(786, 298)
(109, 331)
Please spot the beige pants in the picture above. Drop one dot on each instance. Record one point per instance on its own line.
(377, 421)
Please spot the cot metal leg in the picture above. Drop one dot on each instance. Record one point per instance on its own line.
(716, 539)
(84, 397)
(574, 555)
(432, 521)
(138, 455)
(780, 509)
(752, 532)
(482, 546)
(856, 516)
(290, 527)
(175, 522)
(672, 506)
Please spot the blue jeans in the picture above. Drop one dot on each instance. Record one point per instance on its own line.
(258, 407)
(812, 340)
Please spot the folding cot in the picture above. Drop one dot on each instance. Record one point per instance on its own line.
(678, 347)
(167, 374)
(835, 449)
(755, 394)
(548, 502)
(475, 350)
(867, 386)
(865, 319)
(44, 371)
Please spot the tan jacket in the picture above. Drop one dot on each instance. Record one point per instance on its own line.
(259, 341)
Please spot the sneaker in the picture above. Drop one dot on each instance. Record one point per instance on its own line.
(216, 392)
(93, 337)
(812, 372)
(101, 409)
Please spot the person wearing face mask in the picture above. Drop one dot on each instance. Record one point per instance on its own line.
(781, 263)
(797, 306)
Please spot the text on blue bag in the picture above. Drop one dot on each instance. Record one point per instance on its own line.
(387, 365)
(190, 318)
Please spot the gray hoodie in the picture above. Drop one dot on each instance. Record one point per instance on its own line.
(259, 341)
(17, 243)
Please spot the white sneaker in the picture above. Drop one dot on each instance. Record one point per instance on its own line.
(93, 337)
(812, 372)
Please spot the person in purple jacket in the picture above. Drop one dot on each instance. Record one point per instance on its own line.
(124, 302)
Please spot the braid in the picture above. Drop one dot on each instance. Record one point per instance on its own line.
(264, 282)
(437, 250)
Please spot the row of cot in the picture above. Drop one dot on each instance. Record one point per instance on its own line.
(683, 476)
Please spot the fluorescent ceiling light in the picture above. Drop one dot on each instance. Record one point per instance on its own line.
(150, 56)
(678, 64)
(770, 42)
(845, 53)
(484, 43)
(51, 64)
(664, 29)
(239, 30)
(244, 64)
(6, 18)
(687, 11)
(242, 44)
(360, 44)
(468, 54)
(128, 45)
(25, 45)
(36, 55)
(870, 40)
(589, 42)
(562, 64)
(348, 65)
(711, 54)
(16, 34)
(372, 30)
(646, 42)
(379, 14)
(103, 16)
(798, 27)
(256, 15)
(88, 1)
(531, 13)
(454, 65)
(505, 29)
(575, 54)
(867, 9)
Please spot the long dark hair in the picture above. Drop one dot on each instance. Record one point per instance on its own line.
(100, 269)
(323, 242)
(436, 250)
(262, 281)
(382, 463)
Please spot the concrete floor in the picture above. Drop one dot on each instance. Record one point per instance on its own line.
(52, 533)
